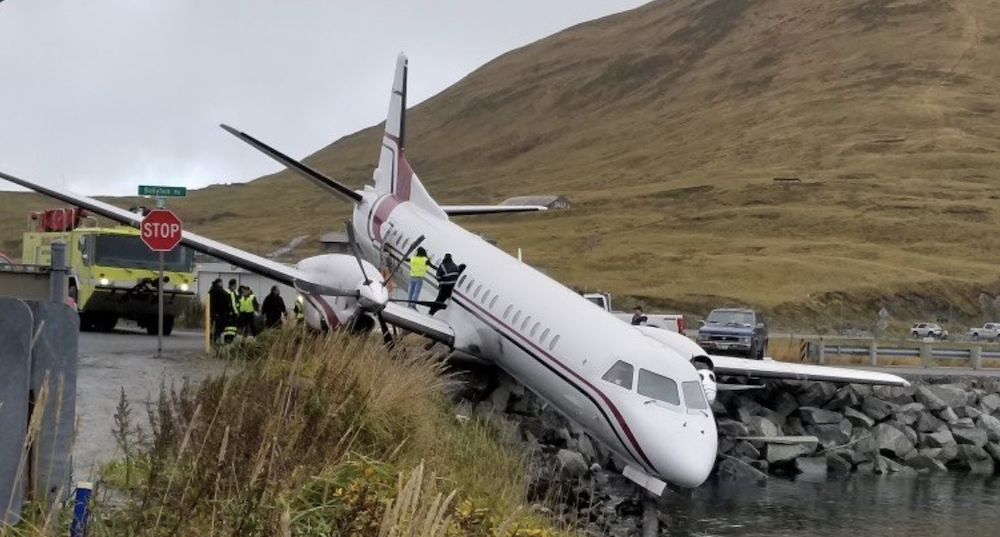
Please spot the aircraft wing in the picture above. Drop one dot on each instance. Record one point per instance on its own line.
(470, 210)
(414, 321)
(742, 367)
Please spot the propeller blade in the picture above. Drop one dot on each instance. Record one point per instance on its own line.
(310, 288)
(352, 239)
(406, 256)
(390, 342)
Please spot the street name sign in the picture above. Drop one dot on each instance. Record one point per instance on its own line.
(163, 191)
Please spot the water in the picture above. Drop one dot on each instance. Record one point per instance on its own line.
(885, 506)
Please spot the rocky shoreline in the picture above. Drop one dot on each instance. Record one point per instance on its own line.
(785, 428)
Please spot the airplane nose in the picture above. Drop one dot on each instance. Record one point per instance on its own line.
(691, 453)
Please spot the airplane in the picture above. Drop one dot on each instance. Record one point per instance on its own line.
(643, 392)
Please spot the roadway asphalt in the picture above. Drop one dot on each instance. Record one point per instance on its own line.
(126, 359)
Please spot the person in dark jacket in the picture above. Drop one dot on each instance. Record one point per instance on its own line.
(274, 309)
(638, 317)
(218, 305)
(447, 276)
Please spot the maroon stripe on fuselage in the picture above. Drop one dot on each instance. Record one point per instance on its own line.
(383, 209)
(331, 318)
(607, 401)
(404, 178)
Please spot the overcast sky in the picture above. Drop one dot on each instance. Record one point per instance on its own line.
(99, 96)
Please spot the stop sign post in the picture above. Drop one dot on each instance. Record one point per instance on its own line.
(161, 231)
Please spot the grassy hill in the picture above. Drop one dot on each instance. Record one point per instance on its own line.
(666, 127)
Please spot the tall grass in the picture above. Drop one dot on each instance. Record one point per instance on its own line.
(313, 436)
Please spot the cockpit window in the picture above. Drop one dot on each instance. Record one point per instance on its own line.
(620, 374)
(658, 387)
(694, 395)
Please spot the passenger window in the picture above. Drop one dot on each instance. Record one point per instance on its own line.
(658, 387)
(478, 289)
(553, 344)
(534, 329)
(516, 317)
(461, 280)
(494, 301)
(506, 312)
(545, 335)
(486, 296)
(694, 395)
(620, 374)
(471, 283)
(524, 324)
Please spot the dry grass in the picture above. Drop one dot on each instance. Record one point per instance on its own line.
(665, 126)
(306, 438)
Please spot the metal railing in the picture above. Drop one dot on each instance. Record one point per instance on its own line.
(926, 351)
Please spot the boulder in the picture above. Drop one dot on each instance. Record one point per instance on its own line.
(846, 397)
(858, 419)
(816, 394)
(928, 398)
(780, 453)
(993, 449)
(727, 427)
(948, 415)
(953, 395)
(777, 419)
(846, 427)
(990, 403)
(586, 449)
(967, 412)
(974, 459)
(894, 394)
(746, 451)
(736, 470)
(908, 413)
(571, 464)
(727, 444)
(793, 427)
(811, 466)
(991, 425)
(761, 426)
(892, 441)
(817, 416)
(829, 435)
(747, 409)
(938, 439)
(785, 404)
(911, 435)
(864, 449)
(877, 408)
(928, 423)
(926, 463)
(973, 437)
(839, 462)
(760, 464)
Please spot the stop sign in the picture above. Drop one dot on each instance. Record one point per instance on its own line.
(160, 230)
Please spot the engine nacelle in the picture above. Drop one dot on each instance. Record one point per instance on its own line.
(339, 271)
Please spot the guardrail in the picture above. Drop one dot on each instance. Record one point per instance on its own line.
(925, 351)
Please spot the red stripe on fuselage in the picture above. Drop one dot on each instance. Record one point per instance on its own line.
(383, 208)
(404, 178)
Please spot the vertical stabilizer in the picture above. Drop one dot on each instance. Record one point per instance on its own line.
(394, 174)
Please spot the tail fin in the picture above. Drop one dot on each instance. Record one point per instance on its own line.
(394, 174)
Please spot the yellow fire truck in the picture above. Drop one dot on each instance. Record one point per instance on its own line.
(112, 273)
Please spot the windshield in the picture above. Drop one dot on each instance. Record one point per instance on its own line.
(658, 387)
(128, 251)
(730, 318)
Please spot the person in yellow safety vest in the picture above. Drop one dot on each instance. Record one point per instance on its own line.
(418, 269)
(228, 333)
(247, 307)
(300, 310)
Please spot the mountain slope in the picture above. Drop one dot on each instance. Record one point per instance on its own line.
(666, 126)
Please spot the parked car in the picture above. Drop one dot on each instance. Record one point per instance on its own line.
(922, 330)
(989, 332)
(736, 331)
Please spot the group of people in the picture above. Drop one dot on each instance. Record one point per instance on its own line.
(447, 273)
(235, 309)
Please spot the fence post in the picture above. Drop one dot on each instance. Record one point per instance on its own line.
(822, 351)
(873, 353)
(976, 357)
(925, 354)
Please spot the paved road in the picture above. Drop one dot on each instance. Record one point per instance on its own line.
(127, 359)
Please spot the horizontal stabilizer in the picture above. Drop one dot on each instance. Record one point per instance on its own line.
(470, 210)
(323, 181)
(742, 367)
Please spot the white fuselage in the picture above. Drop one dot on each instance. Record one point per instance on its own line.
(557, 344)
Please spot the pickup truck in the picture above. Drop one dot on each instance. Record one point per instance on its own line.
(666, 321)
(989, 332)
(735, 331)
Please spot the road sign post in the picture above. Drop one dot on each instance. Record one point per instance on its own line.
(161, 231)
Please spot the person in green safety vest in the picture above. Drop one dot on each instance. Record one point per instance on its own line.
(300, 309)
(247, 306)
(418, 269)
